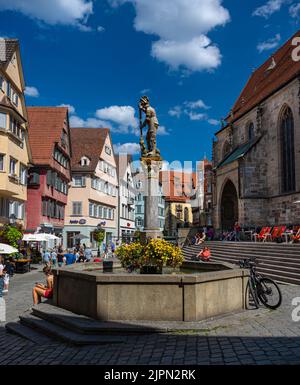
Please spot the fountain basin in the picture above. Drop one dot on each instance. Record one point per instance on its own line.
(200, 291)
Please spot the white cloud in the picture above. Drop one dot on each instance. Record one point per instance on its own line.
(193, 109)
(197, 104)
(100, 28)
(195, 55)
(294, 10)
(70, 108)
(214, 122)
(127, 148)
(66, 12)
(197, 116)
(162, 131)
(145, 91)
(269, 44)
(32, 92)
(181, 26)
(76, 121)
(269, 8)
(123, 116)
(176, 111)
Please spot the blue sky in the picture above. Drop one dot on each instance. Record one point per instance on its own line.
(191, 57)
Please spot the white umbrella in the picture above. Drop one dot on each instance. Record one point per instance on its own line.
(34, 238)
(51, 236)
(7, 249)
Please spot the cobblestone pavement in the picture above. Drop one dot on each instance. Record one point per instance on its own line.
(261, 337)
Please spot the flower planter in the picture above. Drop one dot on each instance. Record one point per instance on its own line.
(150, 269)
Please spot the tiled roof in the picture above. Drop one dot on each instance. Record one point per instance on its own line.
(87, 142)
(178, 186)
(45, 128)
(267, 80)
(7, 49)
(238, 152)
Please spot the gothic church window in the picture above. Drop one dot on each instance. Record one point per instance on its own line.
(287, 151)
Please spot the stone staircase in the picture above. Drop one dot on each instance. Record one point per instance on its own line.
(280, 262)
(45, 323)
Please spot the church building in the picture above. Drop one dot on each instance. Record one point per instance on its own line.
(256, 155)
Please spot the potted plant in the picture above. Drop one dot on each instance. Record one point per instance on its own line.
(150, 258)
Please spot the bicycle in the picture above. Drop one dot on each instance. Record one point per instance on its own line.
(260, 288)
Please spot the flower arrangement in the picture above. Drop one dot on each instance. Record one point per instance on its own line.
(157, 253)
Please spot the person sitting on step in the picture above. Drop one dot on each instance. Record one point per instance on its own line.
(45, 291)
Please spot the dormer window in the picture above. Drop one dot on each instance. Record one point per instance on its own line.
(85, 161)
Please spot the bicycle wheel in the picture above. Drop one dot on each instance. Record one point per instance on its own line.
(251, 297)
(269, 293)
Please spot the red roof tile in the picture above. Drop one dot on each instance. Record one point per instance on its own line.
(264, 81)
(87, 142)
(45, 128)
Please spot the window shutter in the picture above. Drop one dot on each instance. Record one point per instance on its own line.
(83, 182)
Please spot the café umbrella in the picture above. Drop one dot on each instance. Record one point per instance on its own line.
(7, 249)
(39, 237)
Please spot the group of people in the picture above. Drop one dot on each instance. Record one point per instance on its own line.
(205, 234)
(232, 235)
(59, 257)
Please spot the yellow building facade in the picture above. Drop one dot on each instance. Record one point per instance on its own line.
(179, 215)
(14, 149)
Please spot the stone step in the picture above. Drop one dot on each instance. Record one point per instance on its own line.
(258, 250)
(85, 325)
(283, 276)
(60, 333)
(276, 261)
(291, 246)
(27, 333)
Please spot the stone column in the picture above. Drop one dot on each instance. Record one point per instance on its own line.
(152, 168)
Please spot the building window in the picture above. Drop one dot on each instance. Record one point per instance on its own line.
(8, 89)
(3, 120)
(12, 166)
(108, 150)
(23, 175)
(1, 162)
(287, 151)
(76, 208)
(251, 133)
(85, 161)
(226, 149)
(91, 210)
(79, 181)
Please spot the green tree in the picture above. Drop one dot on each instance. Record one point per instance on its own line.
(11, 235)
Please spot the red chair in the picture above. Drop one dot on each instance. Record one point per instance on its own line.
(296, 238)
(262, 235)
(273, 234)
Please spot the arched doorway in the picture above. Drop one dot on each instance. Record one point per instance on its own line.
(229, 206)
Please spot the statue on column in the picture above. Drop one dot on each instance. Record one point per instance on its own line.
(152, 123)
